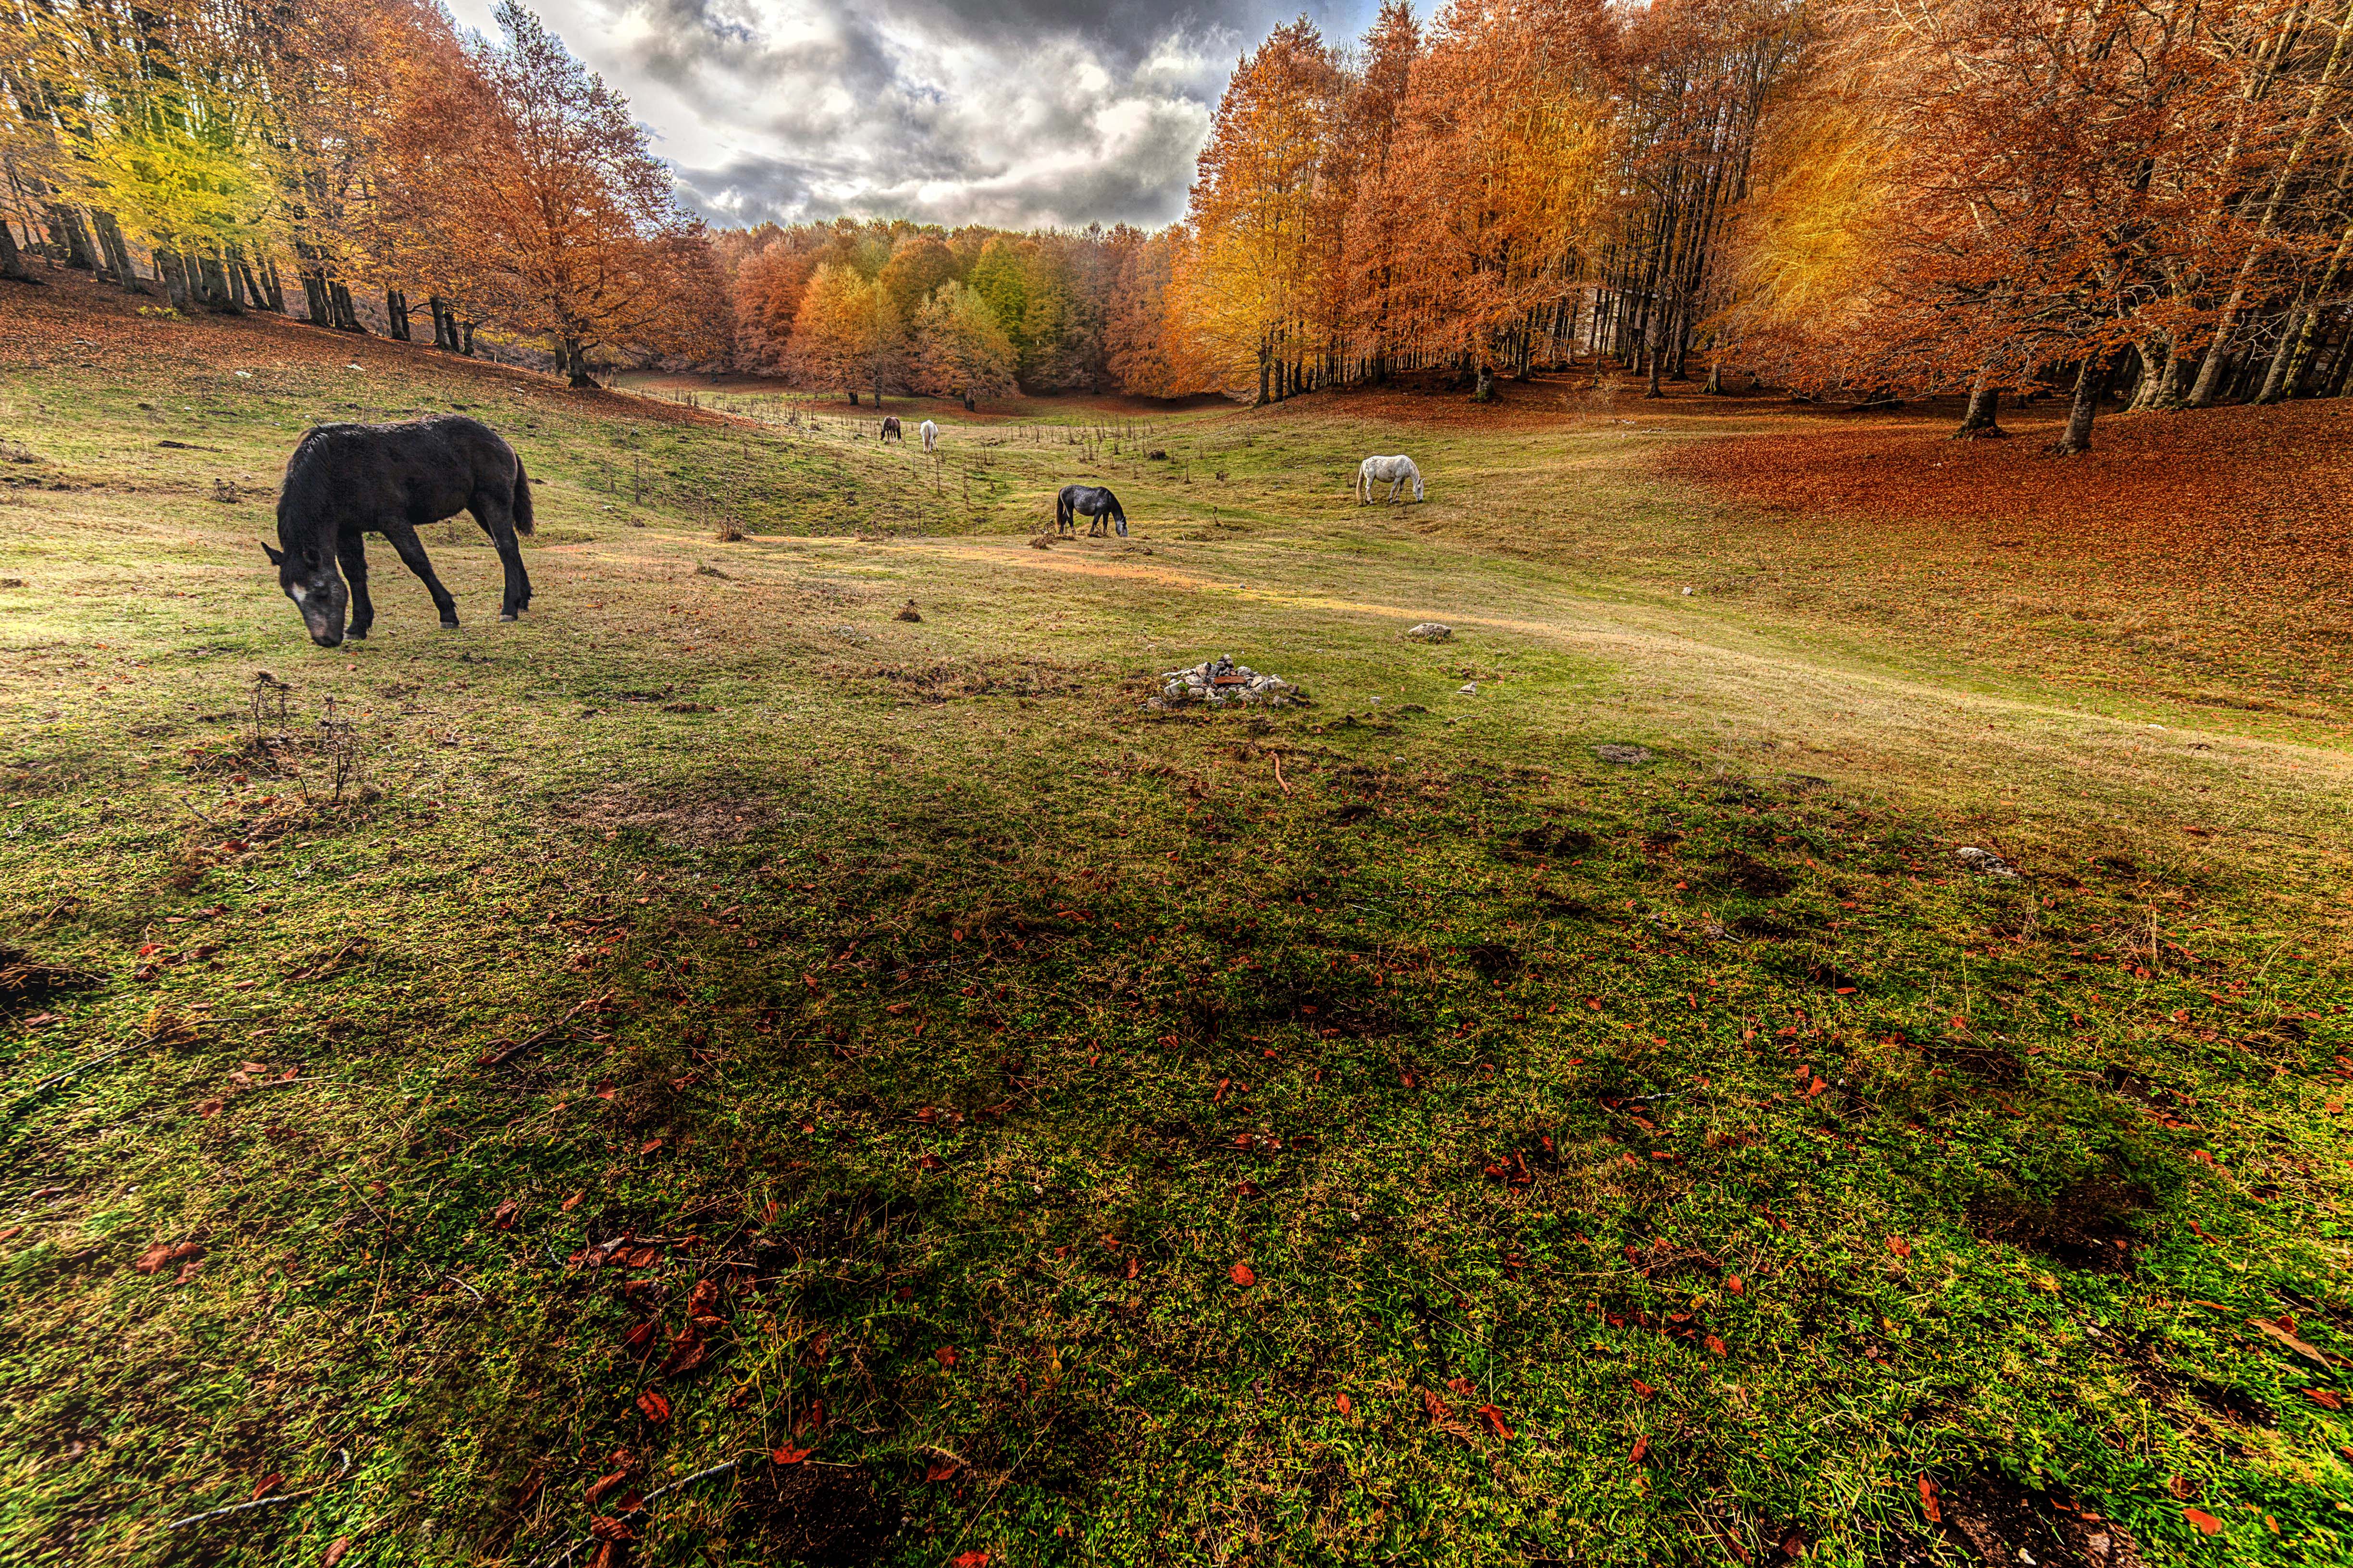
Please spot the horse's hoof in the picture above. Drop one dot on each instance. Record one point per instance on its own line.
(509, 616)
(451, 625)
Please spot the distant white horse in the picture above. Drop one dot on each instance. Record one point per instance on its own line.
(1396, 471)
(931, 435)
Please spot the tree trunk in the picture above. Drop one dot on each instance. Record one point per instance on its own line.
(2308, 335)
(117, 253)
(175, 274)
(1655, 389)
(1981, 422)
(2091, 385)
(314, 297)
(276, 290)
(346, 316)
(12, 260)
(242, 271)
(573, 360)
(72, 236)
(213, 278)
(396, 314)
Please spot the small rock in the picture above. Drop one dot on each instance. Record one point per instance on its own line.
(1987, 861)
(1472, 690)
(1623, 754)
(1687, 593)
(1430, 631)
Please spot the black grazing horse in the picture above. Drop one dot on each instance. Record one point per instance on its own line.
(890, 427)
(345, 480)
(1095, 502)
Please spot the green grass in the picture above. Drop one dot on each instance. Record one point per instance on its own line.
(919, 988)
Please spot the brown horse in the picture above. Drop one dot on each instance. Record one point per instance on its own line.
(890, 430)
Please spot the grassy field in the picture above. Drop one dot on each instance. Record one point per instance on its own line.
(730, 1023)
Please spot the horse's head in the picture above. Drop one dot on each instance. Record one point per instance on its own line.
(310, 579)
(1118, 514)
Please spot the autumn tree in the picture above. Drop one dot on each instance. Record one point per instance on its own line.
(959, 346)
(1252, 283)
(845, 336)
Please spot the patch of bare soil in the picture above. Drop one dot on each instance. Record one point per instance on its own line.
(678, 815)
(948, 680)
(25, 982)
(1998, 1521)
(2091, 1223)
(827, 1516)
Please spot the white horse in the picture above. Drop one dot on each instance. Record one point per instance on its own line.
(931, 435)
(1396, 471)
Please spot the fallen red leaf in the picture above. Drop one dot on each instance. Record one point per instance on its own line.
(972, 1560)
(1929, 1503)
(2327, 1398)
(1898, 1246)
(686, 1352)
(1241, 1275)
(263, 1487)
(503, 1216)
(195, 1260)
(2206, 1523)
(946, 1355)
(1494, 1420)
(1641, 1446)
(601, 1484)
(1463, 1386)
(335, 1550)
(1644, 1390)
(1732, 1282)
(610, 1529)
(788, 1454)
(703, 1301)
(574, 1201)
(650, 1145)
(12, 1233)
(1433, 1407)
(1345, 1405)
(941, 1468)
(638, 1336)
(1715, 1345)
(655, 1407)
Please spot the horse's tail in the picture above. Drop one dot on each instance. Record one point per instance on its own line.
(522, 498)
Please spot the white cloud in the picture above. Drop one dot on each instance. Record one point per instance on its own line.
(1016, 112)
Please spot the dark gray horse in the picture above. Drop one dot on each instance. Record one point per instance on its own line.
(345, 481)
(1095, 502)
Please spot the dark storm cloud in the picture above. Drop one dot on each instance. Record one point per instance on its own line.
(1006, 112)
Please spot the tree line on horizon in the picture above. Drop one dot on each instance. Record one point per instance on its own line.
(1858, 198)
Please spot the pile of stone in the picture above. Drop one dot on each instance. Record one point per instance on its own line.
(1222, 680)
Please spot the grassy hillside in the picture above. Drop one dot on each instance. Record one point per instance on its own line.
(725, 1023)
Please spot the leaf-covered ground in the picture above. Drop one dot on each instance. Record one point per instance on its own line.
(732, 1026)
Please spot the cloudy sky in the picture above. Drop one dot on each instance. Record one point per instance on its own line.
(1016, 112)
